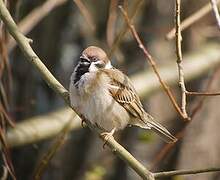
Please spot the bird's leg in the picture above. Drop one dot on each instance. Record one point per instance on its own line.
(107, 135)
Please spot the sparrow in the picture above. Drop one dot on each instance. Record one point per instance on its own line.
(106, 97)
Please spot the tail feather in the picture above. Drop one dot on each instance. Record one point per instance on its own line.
(160, 130)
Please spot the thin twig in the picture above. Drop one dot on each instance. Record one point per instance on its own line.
(4, 174)
(179, 135)
(215, 11)
(41, 127)
(6, 116)
(5, 90)
(6, 154)
(153, 64)
(203, 93)
(33, 18)
(192, 19)
(112, 17)
(185, 172)
(52, 150)
(123, 31)
(86, 14)
(199, 105)
(32, 57)
(180, 59)
(167, 148)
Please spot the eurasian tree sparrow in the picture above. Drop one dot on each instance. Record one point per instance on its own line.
(106, 97)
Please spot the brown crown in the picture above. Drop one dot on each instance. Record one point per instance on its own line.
(95, 53)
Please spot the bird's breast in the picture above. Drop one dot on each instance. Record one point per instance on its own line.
(101, 109)
(96, 103)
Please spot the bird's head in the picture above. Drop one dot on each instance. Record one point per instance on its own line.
(92, 59)
(95, 58)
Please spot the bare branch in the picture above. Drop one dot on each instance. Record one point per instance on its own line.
(153, 64)
(167, 147)
(124, 30)
(112, 17)
(215, 11)
(56, 86)
(4, 174)
(202, 93)
(32, 57)
(180, 58)
(86, 14)
(191, 19)
(127, 157)
(41, 127)
(44, 161)
(33, 18)
(184, 172)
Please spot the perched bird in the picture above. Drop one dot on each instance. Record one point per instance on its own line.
(106, 97)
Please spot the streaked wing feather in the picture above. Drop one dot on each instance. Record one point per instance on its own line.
(124, 93)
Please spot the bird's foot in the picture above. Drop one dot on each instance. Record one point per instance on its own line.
(107, 135)
(83, 123)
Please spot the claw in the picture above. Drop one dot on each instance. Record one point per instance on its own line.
(106, 136)
(83, 123)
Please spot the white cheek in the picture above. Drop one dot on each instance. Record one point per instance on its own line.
(93, 68)
(108, 65)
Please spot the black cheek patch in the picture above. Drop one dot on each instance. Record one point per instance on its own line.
(81, 70)
(100, 65)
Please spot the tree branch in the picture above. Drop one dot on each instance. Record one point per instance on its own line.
(184, 172)
(86, 14)
(180, 59)
(33, 18)
(153, 64)
(191, 19)
(123, 31)
(41, 127)
(56, 86)
(167, 147)
(111, 22)
(202, 93)
(215, 11)
(32, 57)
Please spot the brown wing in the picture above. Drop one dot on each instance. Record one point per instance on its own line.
(124, 93)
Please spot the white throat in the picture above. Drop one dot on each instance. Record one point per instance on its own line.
(92, 67)
(108, 65)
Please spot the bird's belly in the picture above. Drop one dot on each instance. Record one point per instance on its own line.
(101, 109)
(93, 100)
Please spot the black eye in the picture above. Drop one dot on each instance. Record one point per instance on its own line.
(84, 61)
(94, 59)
